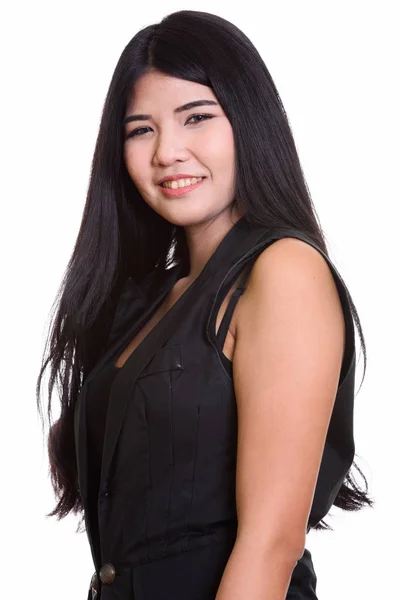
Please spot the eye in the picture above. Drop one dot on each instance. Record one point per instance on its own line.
(201, 117)
(136, 132)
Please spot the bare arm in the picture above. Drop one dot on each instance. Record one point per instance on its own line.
(290, 336)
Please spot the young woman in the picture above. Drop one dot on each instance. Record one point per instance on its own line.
(203, 340)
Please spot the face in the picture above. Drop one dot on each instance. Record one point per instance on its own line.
(174, 140)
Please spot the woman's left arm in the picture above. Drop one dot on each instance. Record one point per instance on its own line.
(290, 336)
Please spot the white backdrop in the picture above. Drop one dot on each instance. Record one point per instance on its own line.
(335, 66)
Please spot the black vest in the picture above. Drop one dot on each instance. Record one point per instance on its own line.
(168, 467)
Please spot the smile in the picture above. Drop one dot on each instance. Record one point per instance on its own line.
(182, 188)
(181, 182)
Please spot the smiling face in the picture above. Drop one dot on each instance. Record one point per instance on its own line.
(169, 139)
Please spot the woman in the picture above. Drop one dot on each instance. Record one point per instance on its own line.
(203, 339)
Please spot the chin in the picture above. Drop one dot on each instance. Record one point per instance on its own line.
(186, 212)
(181, 212)
(187, 217)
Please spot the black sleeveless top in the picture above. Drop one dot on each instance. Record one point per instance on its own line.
(166, 481)
(97, 406)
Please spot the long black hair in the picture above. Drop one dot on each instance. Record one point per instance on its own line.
(121, 236)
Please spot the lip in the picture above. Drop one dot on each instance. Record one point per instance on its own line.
(177, 176)
(176, 193)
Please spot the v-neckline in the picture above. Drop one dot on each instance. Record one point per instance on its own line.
(138, 326)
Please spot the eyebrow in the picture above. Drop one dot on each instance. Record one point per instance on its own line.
(187, 106)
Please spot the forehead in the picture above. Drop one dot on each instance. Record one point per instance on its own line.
(163, 92)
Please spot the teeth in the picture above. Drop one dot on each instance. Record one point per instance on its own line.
(179, 183)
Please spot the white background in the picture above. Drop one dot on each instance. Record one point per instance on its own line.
(334, 64)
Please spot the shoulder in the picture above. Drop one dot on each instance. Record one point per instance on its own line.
(290, 265)
(290, 257)
(290, 286)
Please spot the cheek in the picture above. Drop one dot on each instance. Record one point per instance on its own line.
(133, 165)
(219, 150)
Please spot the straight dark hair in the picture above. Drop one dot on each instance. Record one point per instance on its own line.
(121, 236)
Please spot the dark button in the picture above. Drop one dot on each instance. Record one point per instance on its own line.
(107, 573)
(94, 585)
(95, 582)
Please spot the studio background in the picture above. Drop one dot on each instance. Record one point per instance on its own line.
(335, 67)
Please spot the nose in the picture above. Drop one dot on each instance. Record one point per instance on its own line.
(170, 147)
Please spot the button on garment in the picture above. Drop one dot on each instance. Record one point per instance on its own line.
(107, 573)
(95, 586)
(166, 500)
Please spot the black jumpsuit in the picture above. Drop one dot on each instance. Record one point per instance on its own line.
(159, 496)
